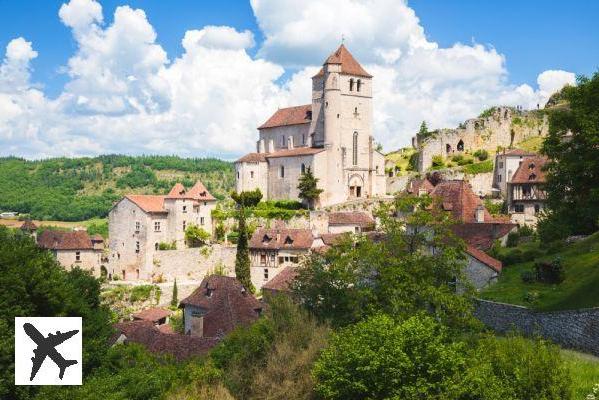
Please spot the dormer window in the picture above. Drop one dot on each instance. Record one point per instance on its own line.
(351, 85)
(288, 240)
(358, 85)
(309, 114)
(532, 177)
(266, 239)
(531, 166)
(209, 292)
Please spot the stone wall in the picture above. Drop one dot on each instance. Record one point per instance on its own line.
(194, 263)
(398, 183)
(576, 329)
(482, 184)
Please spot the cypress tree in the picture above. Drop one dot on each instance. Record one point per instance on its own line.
(242, 258)
(174, 300)
(308, 188)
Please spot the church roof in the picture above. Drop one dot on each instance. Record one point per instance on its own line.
(530, 170)
(349, 65)
(289, 116)
(298, 151)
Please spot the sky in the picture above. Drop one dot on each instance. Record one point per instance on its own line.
(195, 78)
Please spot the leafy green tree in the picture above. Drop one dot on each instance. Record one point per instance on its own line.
(412, 267)
(175, 300)
(196, 236)
(248, 198)
(32, 283)
(308, 188)
(242, 258)
(380, 358)
(573, 169)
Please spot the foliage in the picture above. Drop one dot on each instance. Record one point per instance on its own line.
(196, 236)
(32, 283)
(550, 272)
(174, 298)
(219, 232)
(77, 189)
(167, 246)
(478, 168)
(494, 208)
(512, 239)
(248, 198)
(176, 321)
(397, 274)
(98, 227)
(462, 159)
(141, 293)
(437, 162)
(423, 132)
(487, 112)
(482, 155)
(242, 258)
(380, 358)
(573, 169)
(413, 162)
(308, 188)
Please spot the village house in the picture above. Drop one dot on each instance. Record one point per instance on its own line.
(75, 249)
(29, 228)
(218, 306)
(333, 136)
(281, 283)
(139, 225)
(526, 195)
(272, 250)
(506, 164)
(155, 315)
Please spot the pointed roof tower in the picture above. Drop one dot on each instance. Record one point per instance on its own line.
(349, 65)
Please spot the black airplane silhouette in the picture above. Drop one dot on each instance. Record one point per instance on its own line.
(46, 347)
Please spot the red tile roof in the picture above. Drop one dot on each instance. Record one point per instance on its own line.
(282, 281)
(148, 203)
(157, 341)
(457, 196)
(482, 235)
(152, 314)
(28, 226)
(297, 151)
(484, 258)
(362, 219)
(330, 239)
(518, 152)
(253, 157)
(349, 65)
(65, 240)
(155, 203)
(226, 304)
(274, 239)
(530, 170)
(416, 184)
(289, 116)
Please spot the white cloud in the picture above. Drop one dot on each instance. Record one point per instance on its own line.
(125, 95)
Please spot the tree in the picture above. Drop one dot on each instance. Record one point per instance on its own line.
(196, 236)
(242, 258)
(247, 198)
(572, 185)
(412, 267)
(380, 358)
(308, 189)
(423, 131)
(175, 300)
(32, 283)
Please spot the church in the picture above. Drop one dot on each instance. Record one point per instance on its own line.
(332, 136)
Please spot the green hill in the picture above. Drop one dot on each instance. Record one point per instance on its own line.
(578, 290)
(75, 189)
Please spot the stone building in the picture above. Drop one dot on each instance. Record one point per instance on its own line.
(506, 164)
(481, 269)
(272, 250)
(139, 224)
(526, 195)
(333, 136)
(322, 222)
(218, 306)
(75, 249)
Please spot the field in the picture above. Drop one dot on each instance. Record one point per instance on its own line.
(578, 290)
(585, 372)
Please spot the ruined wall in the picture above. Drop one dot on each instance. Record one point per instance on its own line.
(194, 263)
(503, 128)
(576, 329)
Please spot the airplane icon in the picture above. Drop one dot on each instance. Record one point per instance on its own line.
(46, 346)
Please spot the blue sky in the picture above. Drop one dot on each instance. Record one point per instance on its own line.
(83, 84)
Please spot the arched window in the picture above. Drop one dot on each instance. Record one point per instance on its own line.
(282, 171)
(358, 85)
(460, 145)
(351, 84)
(355, 149)
(448, 148)
(303, 168)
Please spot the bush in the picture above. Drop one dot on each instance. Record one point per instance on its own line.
(479, 168)
(167, 246)
(513, 239)
(528, 276)
(550, 272)
(196, 236)
(437, 162)
(482, 155)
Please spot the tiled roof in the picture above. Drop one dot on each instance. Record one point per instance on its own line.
(28, 226)
(97, 238)
(359, 218)
(297, 151)
(530, 170)
(330, 239)
(518, 152)
(457, 196)
(253, 157)
(289, 116)
(349, 65)
(415, 185)
(273, 239)
(157, 341)
(482, 235)
(155, 203)
(484, 258)
(64, 240)
(282, 281)
(152, 314)
(226, 304)
(197, 192)
(148, 203)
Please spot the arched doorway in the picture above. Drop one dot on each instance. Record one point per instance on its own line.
(448, 148)
(460, 145)
(356, 185)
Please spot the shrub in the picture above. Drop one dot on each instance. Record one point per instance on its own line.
(437, 162)
(167, 246)
(482, 155)
(526, 231)
(512, 239)
(196, 236)
(141, 293)
(528, 276)
(550, 272)
(479, 168)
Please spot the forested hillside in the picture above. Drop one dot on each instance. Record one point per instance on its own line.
(75, 189)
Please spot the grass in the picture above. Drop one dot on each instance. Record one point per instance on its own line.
(478, 168)
(532, 144)
(584, 370)
(401, 159)
(578, 290)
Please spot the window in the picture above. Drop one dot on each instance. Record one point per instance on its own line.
(272, 258)
(201, 220)
(531, 166)
(137, 273)
(237, 174)
(358, 85)
(282, 171)
(252, 174)
(77, 256)
(137, 226)
(156, 246)
(184, 225)
(265, 274)
(355, 149)
(532, 177)
(460, 145)
(351, 85)
(303, 139)
(537, 208)
(356, 229)
(498, 178)
(281, 260)
(519, 208)
(137, 247)
(303, 168)
(283, 141)
(294, 260)
(263, 258)
(157, 226)
(501, 164)
(184, 209)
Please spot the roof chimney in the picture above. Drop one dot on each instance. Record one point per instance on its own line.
(480, 214)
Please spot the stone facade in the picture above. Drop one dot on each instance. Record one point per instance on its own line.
(504, 128)
(194, 263)
(576, 329)
(332, 136)
(88, 259)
